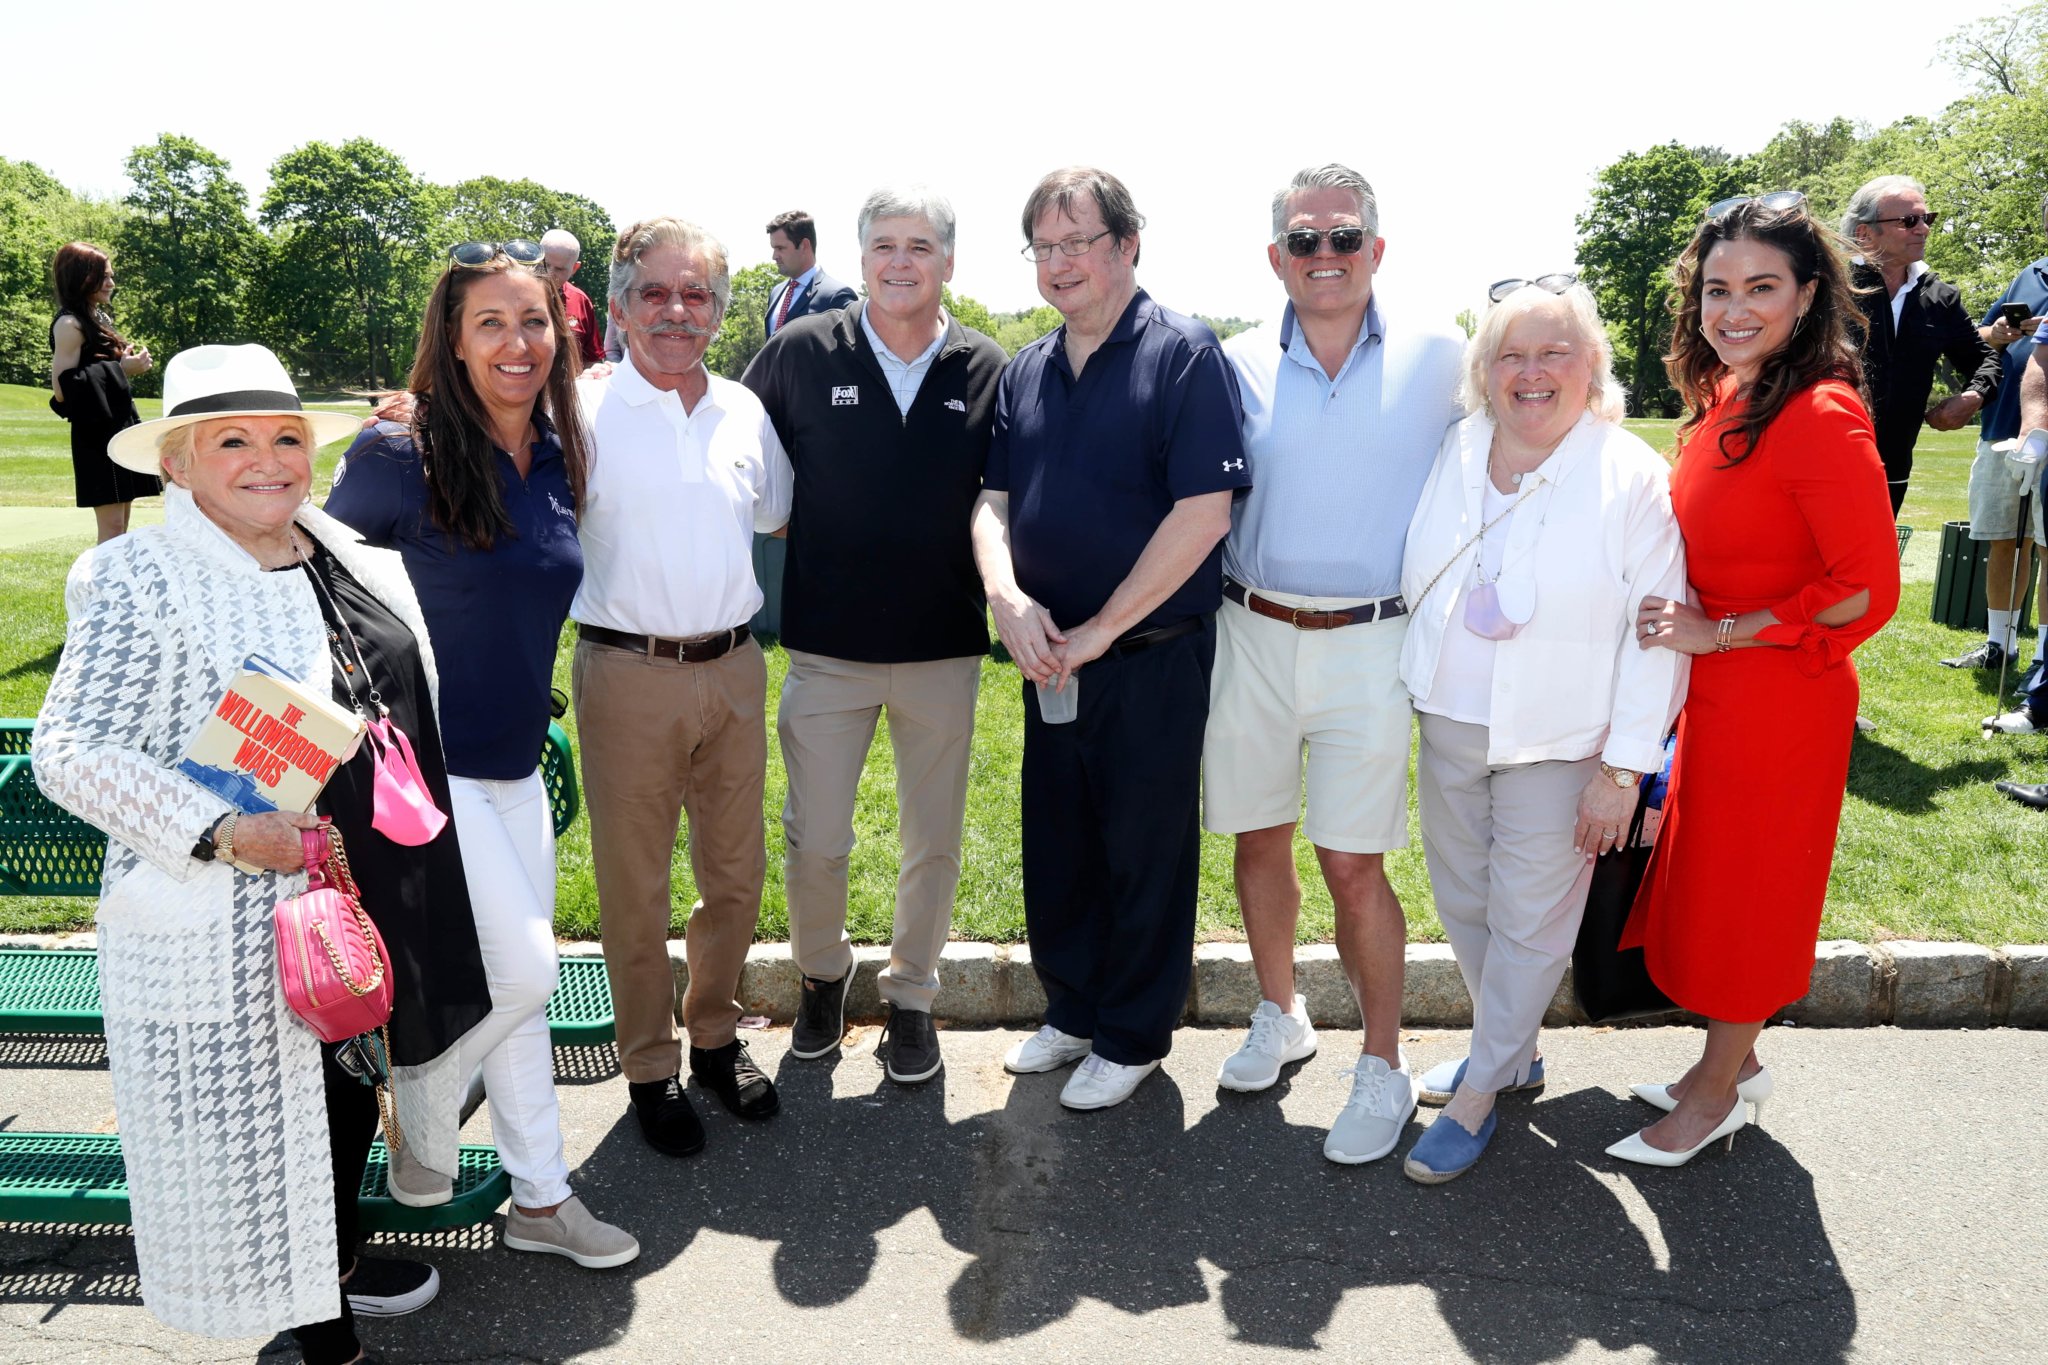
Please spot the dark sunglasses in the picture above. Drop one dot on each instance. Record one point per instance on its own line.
(1556, 284)
(475, 255)
(1776, 199)
(1909, 221)
(1345, 241)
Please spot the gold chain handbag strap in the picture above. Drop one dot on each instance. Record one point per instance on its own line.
(345, 883)
(1480, 535)
(387, 1107)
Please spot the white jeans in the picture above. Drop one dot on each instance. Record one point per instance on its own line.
(507, 835)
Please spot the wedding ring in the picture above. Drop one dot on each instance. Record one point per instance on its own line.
(1649, 627)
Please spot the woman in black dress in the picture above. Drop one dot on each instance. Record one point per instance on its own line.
(90, 366)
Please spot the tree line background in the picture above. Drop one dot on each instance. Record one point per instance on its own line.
(332, 268)
(1984, 161)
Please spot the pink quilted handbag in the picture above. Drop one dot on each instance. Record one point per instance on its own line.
(337, 976)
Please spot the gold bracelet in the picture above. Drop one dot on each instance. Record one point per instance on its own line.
(224, 839)
(1724, 634)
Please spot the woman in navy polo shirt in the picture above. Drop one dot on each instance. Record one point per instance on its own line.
(479, 496)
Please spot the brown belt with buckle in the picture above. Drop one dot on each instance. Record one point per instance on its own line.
(1301, 618)
(701, 650)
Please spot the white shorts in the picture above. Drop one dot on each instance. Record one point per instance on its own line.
(1276, 691)
(1995, 488)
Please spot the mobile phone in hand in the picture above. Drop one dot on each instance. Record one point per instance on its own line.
(2014, 314)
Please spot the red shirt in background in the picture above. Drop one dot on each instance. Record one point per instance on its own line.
(583, 322)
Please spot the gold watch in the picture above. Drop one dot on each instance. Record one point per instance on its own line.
(1620, 777)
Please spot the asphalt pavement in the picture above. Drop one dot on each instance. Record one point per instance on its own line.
(1891, 1209)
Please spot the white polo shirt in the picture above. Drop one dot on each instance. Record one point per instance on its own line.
(672, 504)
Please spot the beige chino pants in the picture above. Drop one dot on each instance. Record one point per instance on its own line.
(827, 724)
(661, 739)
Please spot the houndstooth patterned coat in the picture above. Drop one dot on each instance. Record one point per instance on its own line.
(217, 1086)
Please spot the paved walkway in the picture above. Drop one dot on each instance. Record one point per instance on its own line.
(1895, 1208)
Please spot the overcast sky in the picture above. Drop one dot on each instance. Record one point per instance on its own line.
(1480, 125)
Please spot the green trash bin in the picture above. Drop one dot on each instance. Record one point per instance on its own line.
(1959, 582)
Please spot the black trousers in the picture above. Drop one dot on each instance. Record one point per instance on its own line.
(351, 1128)
(1112, 845)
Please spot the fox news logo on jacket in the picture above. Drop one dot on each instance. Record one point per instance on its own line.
(845, 395)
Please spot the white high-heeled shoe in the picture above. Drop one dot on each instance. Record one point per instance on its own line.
(1754, 1091)
(1633, 1148)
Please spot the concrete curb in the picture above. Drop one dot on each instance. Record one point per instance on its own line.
(1854, 985)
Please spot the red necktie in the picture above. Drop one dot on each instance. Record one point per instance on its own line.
(782, 313)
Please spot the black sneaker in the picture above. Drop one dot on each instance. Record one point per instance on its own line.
(667, 1121)
(820, 1017)
(1987, 654)
(913, 1046)
(384, 1288)
(2031, 679)
(730, 1073)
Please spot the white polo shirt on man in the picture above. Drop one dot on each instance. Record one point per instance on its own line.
(672, 503)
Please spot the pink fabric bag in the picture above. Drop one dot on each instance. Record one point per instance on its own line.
(402, 810)
(337, 976)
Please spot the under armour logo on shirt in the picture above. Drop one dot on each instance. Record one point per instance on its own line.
(1229, 465)
(956, 405)
(845, 395)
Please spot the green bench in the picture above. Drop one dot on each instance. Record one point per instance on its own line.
(79, 1178)
(57, 990)
(47, 851)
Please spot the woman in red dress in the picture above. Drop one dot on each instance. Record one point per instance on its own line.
(1793, 562)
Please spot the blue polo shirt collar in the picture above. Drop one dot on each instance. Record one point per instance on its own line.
(1292, 345)
(1136, 314)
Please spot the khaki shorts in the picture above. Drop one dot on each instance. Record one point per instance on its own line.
(1335, 694)
(1995, 488)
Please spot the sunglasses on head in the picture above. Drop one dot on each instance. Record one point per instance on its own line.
(1345, 241)
(1556, 284)
(1909, 221)
(475, 255)
(1776, 199)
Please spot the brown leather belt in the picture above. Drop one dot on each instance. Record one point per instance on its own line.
(1301, 618)
(701, 650)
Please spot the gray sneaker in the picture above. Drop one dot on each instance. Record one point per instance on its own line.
(820, 1017)
(416, 1185)
(571, 1231)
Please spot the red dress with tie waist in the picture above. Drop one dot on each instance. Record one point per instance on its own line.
(1731, 904)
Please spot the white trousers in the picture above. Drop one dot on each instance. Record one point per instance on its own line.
(1510, 889)
(508, 856)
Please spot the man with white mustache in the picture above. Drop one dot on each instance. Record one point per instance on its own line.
(671, 693)
(1343, 412)
(885, 407)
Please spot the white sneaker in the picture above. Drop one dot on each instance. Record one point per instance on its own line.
(1277, 1037)
(2020, 722)
(1382, 1100)
(1099, 1083)
(1046, 1050)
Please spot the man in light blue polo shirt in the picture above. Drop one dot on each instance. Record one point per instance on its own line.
(1343, 411)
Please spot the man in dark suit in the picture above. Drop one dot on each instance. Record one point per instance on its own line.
(793, 242)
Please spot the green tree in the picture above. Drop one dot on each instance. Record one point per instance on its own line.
(1468, 322)
(488, 209)
(968, 312)
(1014, 331)
(342, 287)
(1645, 207)
(746, 321)
(187, 247)
(1225, 328)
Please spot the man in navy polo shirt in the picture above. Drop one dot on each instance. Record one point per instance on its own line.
(1115, 458)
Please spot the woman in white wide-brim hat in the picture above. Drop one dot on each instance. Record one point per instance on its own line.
(244, 1137)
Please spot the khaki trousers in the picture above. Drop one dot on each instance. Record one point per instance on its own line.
(661, 739)
(827, 724)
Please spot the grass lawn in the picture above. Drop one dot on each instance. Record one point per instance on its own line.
(1928, 849)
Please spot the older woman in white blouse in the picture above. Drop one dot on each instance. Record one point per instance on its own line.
(1541, 526)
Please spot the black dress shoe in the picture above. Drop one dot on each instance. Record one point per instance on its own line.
(667, 1121)
(913, 1046)
(820, 1017)
(2033, 794)
(730, 1073)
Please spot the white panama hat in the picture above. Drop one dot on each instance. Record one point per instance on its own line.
(210, 382)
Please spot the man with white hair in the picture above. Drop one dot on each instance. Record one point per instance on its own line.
(1344, 408)
(885, 407)
(561, 258)
(671, 693)
(1911, 322)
